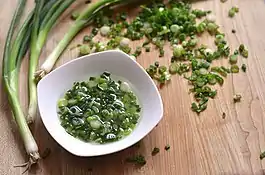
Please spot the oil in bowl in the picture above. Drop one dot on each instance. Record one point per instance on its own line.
(100, 110)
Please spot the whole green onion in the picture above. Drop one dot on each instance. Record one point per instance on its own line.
(38, 38)
(83, 19)
(11, 64)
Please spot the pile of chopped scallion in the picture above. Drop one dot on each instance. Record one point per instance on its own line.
(181, 26)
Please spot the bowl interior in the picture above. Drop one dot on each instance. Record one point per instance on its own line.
(54, 85)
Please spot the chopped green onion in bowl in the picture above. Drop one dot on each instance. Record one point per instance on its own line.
(104, 110)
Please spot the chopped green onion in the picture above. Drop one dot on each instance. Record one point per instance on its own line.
(233, 11)
(84, 49)
(203, 71)
(157, 64)
(233, 59)
(104, 30)
(244, 67)
(167, 147)
(237, 98)
(162, 69)
(178, 51)
(211, 18)
(173, 68)
(174, 28)
(62, 102)
(212, 28)
(86, 38)
(234, 69)
(243, 51)
(75, 15)
(124, 42)
(262, 155)
(138, 160)
(155, 151)
(147, 48)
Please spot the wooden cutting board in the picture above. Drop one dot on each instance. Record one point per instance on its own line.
(205, 144)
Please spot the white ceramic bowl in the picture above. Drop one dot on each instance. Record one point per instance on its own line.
(54, 85)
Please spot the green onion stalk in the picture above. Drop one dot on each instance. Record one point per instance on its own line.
(81, 22)
(38, 39)
(13, 54)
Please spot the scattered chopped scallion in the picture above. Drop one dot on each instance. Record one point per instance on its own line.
(155, 151)
(137, 160)
(234, 69)
(244, 67)
(167, 147)
(237, 98)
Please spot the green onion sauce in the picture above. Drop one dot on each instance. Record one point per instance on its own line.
(99, 110)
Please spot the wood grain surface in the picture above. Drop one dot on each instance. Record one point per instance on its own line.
(200, 145)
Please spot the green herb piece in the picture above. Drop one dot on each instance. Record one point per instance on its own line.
(198, 108)
(237, 98)
(155, 151)
(104, 30)
(124, 42)
(165, 77)
(162, 69)
(200, 13)
(234, 69)
(84, 50)
(244, 67)
(219, 38)
(167, 147)
(137, 160)
(233, 59)
(62, 103)
(219, 79)
(127, 50)
(145, 43)
(262, 155)
(156, 64)
(137, 51)
(86, 38)
(75, 15)
(227, 70)
(201, 27)
(212, 28)
(147, 48)
(243, 51)
(161, 52)
(174, 28)
(233, 11)
(178, 51)
(95, 31)
(221, 71)
(223, 1)
(183, 68)
(173, 68)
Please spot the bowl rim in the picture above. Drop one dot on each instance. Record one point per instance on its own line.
(140, 137)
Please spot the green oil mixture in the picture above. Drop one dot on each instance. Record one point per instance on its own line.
(100, 110)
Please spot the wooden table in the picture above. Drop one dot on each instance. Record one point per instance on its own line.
(205, 144)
